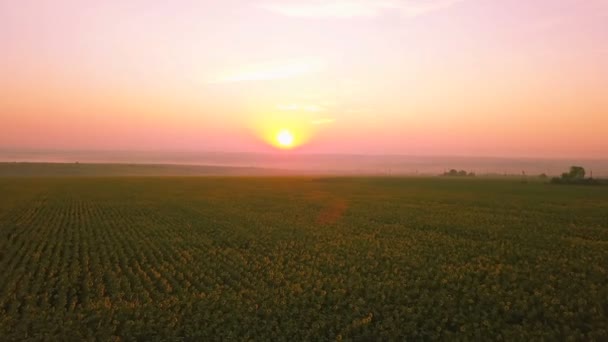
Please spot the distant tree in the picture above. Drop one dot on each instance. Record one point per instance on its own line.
(471, 174)
(543, 176)
(462, 173)
(576, 172)
(576, 175)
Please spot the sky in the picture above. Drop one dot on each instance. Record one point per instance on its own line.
(418, 77)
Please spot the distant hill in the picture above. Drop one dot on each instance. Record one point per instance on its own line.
(115, 170)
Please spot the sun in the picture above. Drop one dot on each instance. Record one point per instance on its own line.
(285, 139)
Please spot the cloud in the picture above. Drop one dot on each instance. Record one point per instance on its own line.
(355, 8)
(313, 108)
(322, 121)
(299, 107)
(329, 9)
(356, 110)
(288, 107)
(271, 71)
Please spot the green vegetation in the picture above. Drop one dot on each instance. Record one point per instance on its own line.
(302, 259)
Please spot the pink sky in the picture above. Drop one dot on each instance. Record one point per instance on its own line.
(436, 77)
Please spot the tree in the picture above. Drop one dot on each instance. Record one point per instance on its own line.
(576, 175)
(576, 172)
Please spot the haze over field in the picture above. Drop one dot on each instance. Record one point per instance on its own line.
(410, 77)
(294, 163)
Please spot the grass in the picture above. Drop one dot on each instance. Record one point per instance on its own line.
(301, 258)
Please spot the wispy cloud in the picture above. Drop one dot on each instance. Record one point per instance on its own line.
(355, 8)
(301, 107)
(288, 107)
(271, 71)
(322, 121)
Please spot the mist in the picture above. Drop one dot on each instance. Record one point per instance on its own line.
(294, 163)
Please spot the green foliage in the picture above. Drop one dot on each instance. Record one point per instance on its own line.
(301, 259)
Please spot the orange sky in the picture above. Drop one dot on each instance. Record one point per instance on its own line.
(425, 77)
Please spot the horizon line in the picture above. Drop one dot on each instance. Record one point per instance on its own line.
(292, 152)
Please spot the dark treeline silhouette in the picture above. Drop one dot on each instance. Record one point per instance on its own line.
(576, 175)
(456, 173)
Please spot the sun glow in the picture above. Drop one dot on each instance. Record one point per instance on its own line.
(286, 131)
(285, 139)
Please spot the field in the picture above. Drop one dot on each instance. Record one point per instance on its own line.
(133, 170)
(301, 258)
